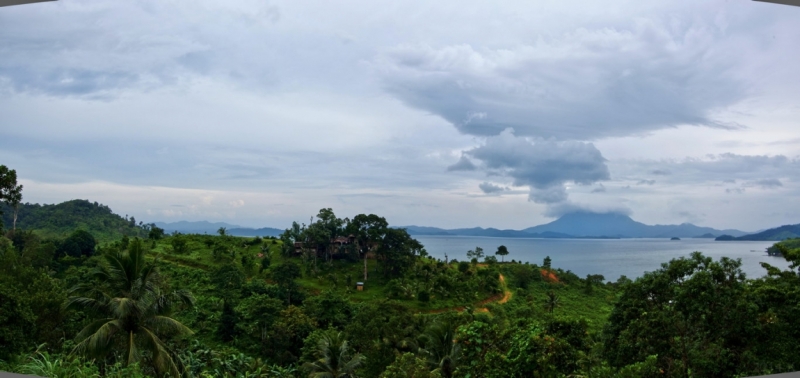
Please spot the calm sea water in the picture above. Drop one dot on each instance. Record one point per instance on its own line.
(611, 258)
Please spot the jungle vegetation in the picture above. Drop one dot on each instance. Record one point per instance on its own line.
(82, 303)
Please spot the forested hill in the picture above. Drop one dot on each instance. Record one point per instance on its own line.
(773, 234)
(62, 219)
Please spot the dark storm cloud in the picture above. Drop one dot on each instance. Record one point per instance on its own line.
(543, 165)
(587, 84)
(490, 188)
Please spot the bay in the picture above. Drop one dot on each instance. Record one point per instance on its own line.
(609, 257)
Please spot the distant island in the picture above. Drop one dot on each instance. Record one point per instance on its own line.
(675, 238)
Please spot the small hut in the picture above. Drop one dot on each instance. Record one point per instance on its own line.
(360, 286)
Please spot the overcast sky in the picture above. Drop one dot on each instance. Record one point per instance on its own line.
(500, 114)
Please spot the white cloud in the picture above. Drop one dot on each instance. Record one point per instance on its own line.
(293, 106)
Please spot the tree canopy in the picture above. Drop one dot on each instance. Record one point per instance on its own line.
(418, 316)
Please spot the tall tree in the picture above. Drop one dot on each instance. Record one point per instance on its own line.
(132, 311)
(155, 232)
(502, 251)
(284, 275)
(330, 227)
(475, 254)
(552, 301)
(10, 191)
(689, 313)
(30, 301)
(397, 252)
(290, 236)
(315, 236)
(368, 230)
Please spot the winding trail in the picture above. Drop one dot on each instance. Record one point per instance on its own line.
(479, 307)
(506, 293)
(499, 298)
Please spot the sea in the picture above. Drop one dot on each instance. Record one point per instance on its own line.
(610, 257)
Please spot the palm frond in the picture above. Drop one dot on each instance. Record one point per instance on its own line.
(98, 343)
(134, 312)
(124, 307)
(84, 303)
(133, 356)
(320, 369)
(184, 296)
(353, 364)
(163, 361)
(91, 328)
(117, 272)
(164, 324)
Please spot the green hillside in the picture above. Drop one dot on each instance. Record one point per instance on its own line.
(788, 231)
(225, 306)
(62, 219)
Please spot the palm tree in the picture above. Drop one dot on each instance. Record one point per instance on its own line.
(333, 358)
(440, 346)
(552, 301)
(132, 312)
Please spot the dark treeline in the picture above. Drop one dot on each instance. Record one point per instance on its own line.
(354, 298)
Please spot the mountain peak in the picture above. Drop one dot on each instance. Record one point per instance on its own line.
(614, 224)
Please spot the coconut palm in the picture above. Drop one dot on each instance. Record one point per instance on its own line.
(552, 301)
(333, 358)
(132, 312)
(440, 346)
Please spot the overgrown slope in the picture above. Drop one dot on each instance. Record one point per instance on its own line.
(62, 219)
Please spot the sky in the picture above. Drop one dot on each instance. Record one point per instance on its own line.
(502, 114)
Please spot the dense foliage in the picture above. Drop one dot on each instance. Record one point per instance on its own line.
(150, 304)
(63, 219)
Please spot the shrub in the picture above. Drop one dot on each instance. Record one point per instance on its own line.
(424, 296)
(80, 243)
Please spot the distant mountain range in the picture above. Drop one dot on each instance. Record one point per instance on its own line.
(204, 227)
(61, 219)
(619, 225)
(587, 225)
(577, 225)
(478, 231)
(773, 234)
